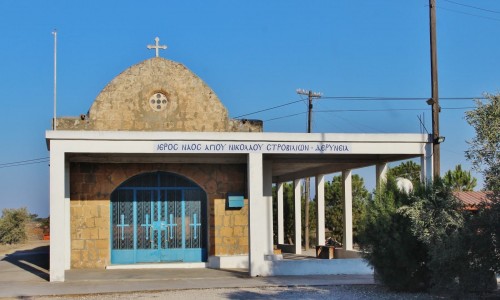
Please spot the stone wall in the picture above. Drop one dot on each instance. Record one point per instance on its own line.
(230, 229)
(91, 185)
(186, 103)
(89, 233)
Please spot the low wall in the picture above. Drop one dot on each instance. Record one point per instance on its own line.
(354, 266)
(228, 262)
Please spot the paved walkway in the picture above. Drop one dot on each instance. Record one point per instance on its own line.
(25, 273)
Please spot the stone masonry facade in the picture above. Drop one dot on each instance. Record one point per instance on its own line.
(190, 104)
(154, 95)
(91, 185)
(230, 232)
(89, 233)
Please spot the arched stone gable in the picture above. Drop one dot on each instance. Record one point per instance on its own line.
(124, 104)
(185, 103)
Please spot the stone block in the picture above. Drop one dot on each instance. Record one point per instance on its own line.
(228, 221)
(89, 222)
(226, 232)
(243, 241)
(94, 233)
(77, 244)
(102, 244)
(104, 234)
(240, 220)
(228, 241)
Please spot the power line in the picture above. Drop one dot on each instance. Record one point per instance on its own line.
(474, 7)
(391, 109)
(266, 109)
(364, 98)
(469, 14)
(25, 162)
(287, 116)
(359, 98)
(368, 110)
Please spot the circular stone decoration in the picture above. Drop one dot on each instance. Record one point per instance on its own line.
(158, 101)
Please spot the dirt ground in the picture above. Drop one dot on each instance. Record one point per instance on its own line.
(9, 249)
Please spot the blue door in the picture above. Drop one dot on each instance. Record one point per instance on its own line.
(158, 217)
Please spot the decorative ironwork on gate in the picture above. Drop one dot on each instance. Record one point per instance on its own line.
(158, 217)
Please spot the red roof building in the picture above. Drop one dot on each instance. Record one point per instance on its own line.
(472, 199)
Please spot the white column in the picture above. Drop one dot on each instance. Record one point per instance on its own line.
(381, 174)
(267, 188)
(298, 215)
(426, 168)
(320, 209)
(347, 194)
(258, 235)
(57, 212)
(67, 218)
(281, 230)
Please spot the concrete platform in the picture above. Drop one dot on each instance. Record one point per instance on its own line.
(25, 273)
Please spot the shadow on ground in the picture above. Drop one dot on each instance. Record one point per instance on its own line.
(34, 261)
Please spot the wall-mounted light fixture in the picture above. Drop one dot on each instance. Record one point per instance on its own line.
(439, 140)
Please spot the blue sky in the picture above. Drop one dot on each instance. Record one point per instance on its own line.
(254, 55)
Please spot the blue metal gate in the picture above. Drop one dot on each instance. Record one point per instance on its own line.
(158, 217)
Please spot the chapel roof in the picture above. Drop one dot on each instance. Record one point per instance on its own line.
(157, 94)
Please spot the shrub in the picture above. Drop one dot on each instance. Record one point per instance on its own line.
(425, 240)
(399, 258)
(13, 225)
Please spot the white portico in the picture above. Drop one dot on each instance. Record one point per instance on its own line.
(269, 158)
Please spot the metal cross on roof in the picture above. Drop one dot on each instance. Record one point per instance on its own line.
(157, 46)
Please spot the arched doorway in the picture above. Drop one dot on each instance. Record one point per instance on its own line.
(158, 217)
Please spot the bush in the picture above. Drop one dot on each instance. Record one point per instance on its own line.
(13, 225)
(425, 240)
(400, 259)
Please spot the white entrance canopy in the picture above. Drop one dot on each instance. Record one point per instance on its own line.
(270, 157)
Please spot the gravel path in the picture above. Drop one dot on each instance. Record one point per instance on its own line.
(288, 293)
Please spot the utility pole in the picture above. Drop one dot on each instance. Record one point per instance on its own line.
(434, 101)
(310, 95)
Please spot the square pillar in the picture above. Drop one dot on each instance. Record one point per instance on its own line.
(259, 215)
(347, 207)
(267, 177)
(426, 168)
(320, 209)
(298, 215)
(381, 174)
(281, 229)
(58, 210)
(67, 219)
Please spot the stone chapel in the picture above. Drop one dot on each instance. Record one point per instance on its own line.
(156, 174)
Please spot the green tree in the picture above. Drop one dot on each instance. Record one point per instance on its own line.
(408, 169)
(483, 228)
(334, 204)
(437, 220)
(459, 180)
(388, 243)
(13, 225)
(484, 148)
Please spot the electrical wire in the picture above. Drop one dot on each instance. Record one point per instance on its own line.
(469, 14)
(266, 109)
(362, 98)
(287, 116)
(358, 98)
(474, 7)
(25, 162)
(388, 109)
(367, 110)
